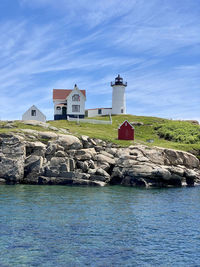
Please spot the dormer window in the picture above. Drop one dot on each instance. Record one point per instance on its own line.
(76, 97)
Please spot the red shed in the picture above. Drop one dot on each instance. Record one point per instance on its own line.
(126, 131)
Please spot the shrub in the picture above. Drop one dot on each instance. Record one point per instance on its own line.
(178, 131)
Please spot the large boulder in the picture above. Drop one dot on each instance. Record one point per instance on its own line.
(12, 170)
(12, 156)
(47, 135)
(33, 168)
(104, 159)
(56, 166)
(85, 154)
(12, 145)
(36, 123)
(35, 148)
(69, 142)
(176, 157)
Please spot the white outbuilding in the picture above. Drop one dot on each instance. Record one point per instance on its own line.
(33, 113)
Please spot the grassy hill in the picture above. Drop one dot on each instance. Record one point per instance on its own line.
(180, 135)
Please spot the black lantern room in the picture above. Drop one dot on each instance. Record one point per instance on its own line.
(118, 81)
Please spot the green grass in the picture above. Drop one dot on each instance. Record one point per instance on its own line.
(151, 129)
(179, 135)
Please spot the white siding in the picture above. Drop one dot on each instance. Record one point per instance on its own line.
(118, 99)
(95, 112)
(70, 102)
(57, 102)
(39, 116)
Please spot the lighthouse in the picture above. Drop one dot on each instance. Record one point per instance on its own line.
(118, 96)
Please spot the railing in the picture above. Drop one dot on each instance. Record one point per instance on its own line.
(78, 120)
(118, 83)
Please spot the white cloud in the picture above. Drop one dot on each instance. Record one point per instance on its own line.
(89, 42)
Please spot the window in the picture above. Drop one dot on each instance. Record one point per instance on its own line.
(58, 108)
(75, 108)
(76, 97)
(99, 111)
(33, 112)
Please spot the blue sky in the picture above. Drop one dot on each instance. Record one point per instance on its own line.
(154, 45)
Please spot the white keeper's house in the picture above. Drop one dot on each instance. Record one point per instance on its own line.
(118, 100)
(69, 103)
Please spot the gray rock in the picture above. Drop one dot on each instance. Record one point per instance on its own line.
(68, 181)
(12, 157)
(36, 123)
(72, 165)
(9, 126)
(131, 181)
(107, 154)
(12, 145)
(47, 135)
(84, 176)
(91, 171)
(53, 128)
(60, 154)
(51, 148)
(99, 178)
(65, 161)
(69, 142)
(92, 141)
(51, 172)
(82, 165)
(161, 173)
(104, 159)
(99, 149)
(105, 166)
(85, 141)
(111, 150)
(136, 123)
(2, 181)
(12, 169)
(35, 148)
(102, 172)
(91, 164)
(64, 131)
(139, 171)
(30, 131)
(85, 154)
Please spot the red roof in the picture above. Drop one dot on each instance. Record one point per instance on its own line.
(124, 123)
(63, 93)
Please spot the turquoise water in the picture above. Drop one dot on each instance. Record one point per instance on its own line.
(110, 226)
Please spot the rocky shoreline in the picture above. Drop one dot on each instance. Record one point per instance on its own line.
(63, 159)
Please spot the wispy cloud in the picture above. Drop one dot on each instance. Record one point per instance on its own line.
(154, 45)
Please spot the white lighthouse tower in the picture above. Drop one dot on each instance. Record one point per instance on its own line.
(118, 96)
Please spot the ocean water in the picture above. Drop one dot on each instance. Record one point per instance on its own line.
(90, 226)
